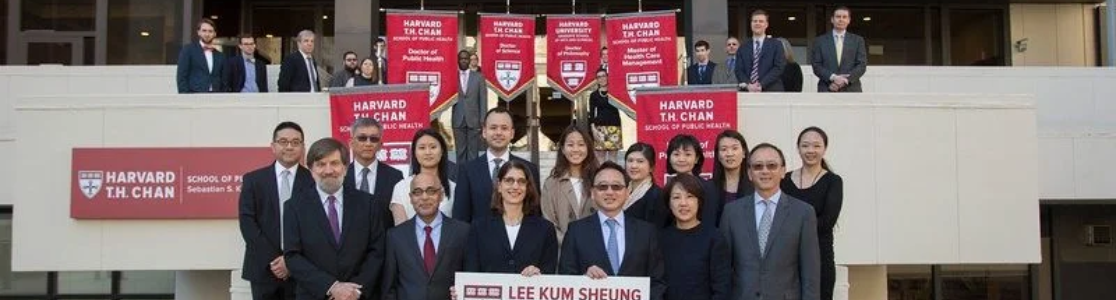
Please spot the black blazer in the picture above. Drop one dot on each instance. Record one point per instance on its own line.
(772, 61)
(193, 73)
(601, 112)
(233, 74)
(651, 208)
(695, 77)
(472, 200)
(259, 219)
(315, 260)
(583, 246)
(709, 211)
(490, 251)
(293, 76)
(386, 178)
(405, 278)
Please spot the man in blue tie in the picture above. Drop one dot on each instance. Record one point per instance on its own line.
(727, 73)
(630, 246)
(701, 72)
(760, 65)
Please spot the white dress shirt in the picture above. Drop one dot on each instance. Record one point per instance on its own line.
(357, 167)
(760, 207)
(279, 168)
(492, 161)
(337, 204)
(513, 233)
(311, 72)
(208, 56)
(464, 81)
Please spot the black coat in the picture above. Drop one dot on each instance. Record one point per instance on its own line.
(233, 75)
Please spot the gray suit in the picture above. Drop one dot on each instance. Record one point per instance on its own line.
(725, 75)
(467, 114)
(790, 269)
(405, 278)
(854, 60)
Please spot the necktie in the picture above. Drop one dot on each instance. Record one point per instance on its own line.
(613, 246)
(464, 82)
(364, 180)
(496, 167)
(284, 195)
(840, 47)
(755, 63)
(312, 74)
(732, 63)
(765, 227)
(701, 70)
(334, 221)
(429, 257)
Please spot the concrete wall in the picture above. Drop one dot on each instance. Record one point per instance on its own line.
(1057, 34)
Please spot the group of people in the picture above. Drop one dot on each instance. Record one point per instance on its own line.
(342, 228)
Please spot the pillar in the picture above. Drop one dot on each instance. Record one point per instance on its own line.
(707, 20)
(356, 26)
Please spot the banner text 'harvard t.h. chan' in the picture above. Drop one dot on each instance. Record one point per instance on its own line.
(422, 48)
(701, 112)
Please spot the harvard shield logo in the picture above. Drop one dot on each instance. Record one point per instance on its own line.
(433, 78)
(641, 80)
(573, 73)
(90, 182)
(482, 292)
(508, 73)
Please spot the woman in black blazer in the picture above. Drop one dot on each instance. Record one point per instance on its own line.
(645, 201)
(515, 239)
(684, 155)
(792, 73)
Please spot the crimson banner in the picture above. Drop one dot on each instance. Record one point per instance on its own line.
(160, 183)
(573, 52)
(643, 51)
(422, 48)
(401, 110)
(507, 52)
(699, 111)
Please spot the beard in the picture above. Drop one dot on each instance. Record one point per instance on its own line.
(330, 185)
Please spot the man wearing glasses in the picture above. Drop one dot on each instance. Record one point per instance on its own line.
(727, 74)
(342, 76)
(261, 213)
(631, 246)
(773, 236)
(366, 173)
(438, 241)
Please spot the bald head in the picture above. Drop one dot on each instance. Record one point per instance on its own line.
(426, 196)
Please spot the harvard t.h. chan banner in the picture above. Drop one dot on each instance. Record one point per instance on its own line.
(422, 48)
(573, 53)
(701, 111)
(507, 52)
(401, 110)
(643, 52)
(491, 286)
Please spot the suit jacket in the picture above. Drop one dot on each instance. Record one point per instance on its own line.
(792, 78)
(695, 77)
(386, 178)
(404, 275)
(260, 220)
(471, 103)
(790, 269)
(293, 76)
(559, 203)
(316, 261)
(194, 74)
(233, 74)
(725, 75)
(585, 247)
(771, 63)
(854, 60)
(490, 251)
(473, 196)
(651, 208)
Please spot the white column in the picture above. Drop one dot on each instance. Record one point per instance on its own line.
(201, 285)
(239, 289)
(841, 284)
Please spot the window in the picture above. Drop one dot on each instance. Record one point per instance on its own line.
(895, 36)
(977, 37)
(143, 32)
(58, 15)
(986, 282)
(909, 283)
(16, 283)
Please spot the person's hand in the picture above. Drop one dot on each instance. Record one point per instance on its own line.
(842, 80)
(595, 272)
(345, 291)
(279, 268)
(530, 271)
(755, 88)
(453, 293)
(833, 87)
(743, 86)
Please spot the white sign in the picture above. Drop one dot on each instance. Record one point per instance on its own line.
(492, 286)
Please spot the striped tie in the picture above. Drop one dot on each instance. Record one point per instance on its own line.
(765, 226)
(755, 63)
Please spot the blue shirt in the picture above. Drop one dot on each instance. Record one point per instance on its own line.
(760, 207)
(249, 77)
(620, 243)
(435, 234)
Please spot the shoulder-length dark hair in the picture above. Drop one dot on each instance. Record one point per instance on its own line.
(691, 184)
(375, 69)
(530, 199)
(685, 141)
(825, 142)
(416, 167)
(648, 153)
(562, 165)
(719, 168)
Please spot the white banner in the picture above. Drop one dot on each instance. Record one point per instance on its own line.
(491, 286)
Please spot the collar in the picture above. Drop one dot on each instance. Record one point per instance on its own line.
(249, 58)
(761, 39)
(306, 55)
(506, 157)
(200, 42)
(322, 195)
(420, 224)
(705, 64)
(371, 167)
(774, 198)
(619, 219)
(842, 33)
(279, 169)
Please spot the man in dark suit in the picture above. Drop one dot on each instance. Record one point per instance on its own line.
(473, 196)
(701, 72)
(760, 63)
(349, 69)
(366, 173)
(200, 64)
(381, 59)
(839, 58)
(472, 98)
(772, 237)
(246, 73)
(262, 195)
(299, 72)
(334, 237)
(424, 270)
(609, 244)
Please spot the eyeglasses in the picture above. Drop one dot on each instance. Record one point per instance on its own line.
(514, 181)
(289, 143)
(350, 59)
(759, 167)
(367, 138)
(430, 191)
(613, 187)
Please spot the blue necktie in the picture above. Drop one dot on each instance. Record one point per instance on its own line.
(613, 246)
